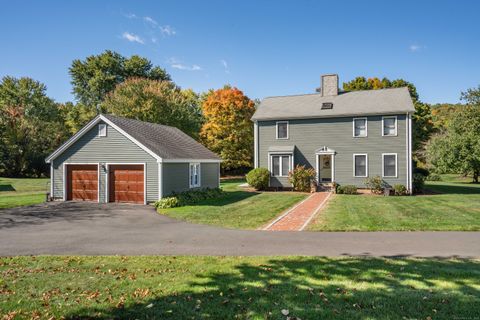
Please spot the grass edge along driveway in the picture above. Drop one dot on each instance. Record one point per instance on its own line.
(239, 208)
(16, 192)
(452, 205)
(238, 288)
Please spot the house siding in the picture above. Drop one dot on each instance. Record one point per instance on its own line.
(176, 177)
(114, 148)
(308, 135)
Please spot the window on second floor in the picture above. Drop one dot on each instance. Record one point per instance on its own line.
(360, 127)
(389, 126)
(282, 130)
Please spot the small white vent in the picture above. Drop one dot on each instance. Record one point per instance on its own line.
(102, 130)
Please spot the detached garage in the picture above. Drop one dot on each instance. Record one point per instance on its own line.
(114, 159)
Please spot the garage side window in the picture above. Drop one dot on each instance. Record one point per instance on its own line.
(194, 175)
(102, 130)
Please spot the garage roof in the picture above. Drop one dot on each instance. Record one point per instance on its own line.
(163, 142)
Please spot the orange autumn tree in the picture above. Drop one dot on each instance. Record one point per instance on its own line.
(228, 130)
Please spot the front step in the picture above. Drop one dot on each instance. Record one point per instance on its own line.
(325, 186)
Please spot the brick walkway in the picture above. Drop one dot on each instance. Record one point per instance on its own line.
(298, 217)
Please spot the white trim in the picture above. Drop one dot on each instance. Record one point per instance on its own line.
(191, 160)
(199, 173)
(255, 144)
(160, 181)
(332, 159)
(218, 175)
(410, 173)
(366, 164)
(107, 173)
(85, 129)
(100, 126)
(276, 130)
(317, 116)
(80, 163)
(383, 126)
(383, 165)
(51, 180)
(366, 127)
(280, 155)
(407, 155)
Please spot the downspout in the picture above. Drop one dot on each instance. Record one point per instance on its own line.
(255, 144)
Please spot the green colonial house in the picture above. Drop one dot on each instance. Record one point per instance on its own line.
(113, 159)
(345, 136)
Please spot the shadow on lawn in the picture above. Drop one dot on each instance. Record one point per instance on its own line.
(314, 288)
(6, 187)
(230, 198)
(461, 188)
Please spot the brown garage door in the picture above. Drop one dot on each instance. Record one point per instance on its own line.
(82, 182)
(126, 183)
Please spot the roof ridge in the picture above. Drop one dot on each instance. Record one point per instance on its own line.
(339, 93)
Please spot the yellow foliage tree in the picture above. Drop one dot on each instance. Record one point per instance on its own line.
(228, 130)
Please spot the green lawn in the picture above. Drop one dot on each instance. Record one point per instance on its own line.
(238, 288)
(16, 192)
(239, 208)
(454, 206)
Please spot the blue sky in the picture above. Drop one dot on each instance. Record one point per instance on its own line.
(264, 48)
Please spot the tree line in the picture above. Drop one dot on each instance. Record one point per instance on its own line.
(32, 125)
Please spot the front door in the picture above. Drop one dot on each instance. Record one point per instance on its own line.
(325, 167)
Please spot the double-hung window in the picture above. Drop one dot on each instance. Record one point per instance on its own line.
(194, 175)
(280, 165)
(389, 161)
(282, 130)
(359, 127)
(389, 126)
(360, 165)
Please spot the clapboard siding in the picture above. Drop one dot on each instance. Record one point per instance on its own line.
(176, 176)
(114, 148)
(308, 135)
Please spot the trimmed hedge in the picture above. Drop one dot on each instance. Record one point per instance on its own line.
(189, 197)
(346, 189)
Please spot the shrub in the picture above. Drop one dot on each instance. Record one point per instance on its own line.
(347, 189)
(335, 186)
(188, 197)
(424, 172)
(301, 178)
(434, 177)
(258, 178)
(165, 203)
(399, 189)
(375, 184)
(418, 182)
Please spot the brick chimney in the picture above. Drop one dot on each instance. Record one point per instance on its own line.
(329, 85)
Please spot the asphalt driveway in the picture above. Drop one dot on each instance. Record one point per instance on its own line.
(111, 229)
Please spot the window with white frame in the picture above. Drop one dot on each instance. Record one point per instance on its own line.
(194, 175)
(389, 165)
(102, 130)
(360, 165)
(389, 126)
(360, 127)
(282, 130)
(280, 165)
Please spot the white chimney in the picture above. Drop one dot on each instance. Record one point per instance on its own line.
(329, 84)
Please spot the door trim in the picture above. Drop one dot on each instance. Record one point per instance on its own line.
(65, 164)
(107, 173)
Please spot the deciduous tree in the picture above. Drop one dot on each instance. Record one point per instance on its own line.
(228, 130)
(97, 75)
(31, 126)
(156, 101)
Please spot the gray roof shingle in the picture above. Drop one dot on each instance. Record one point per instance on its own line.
(383, 101)
(165, 141)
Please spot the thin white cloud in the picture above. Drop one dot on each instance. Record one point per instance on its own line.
(150, 20)
(130, 16)
(167, 30)
(416, 47)
(176, 64)
(225, 65)
(132, 37)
